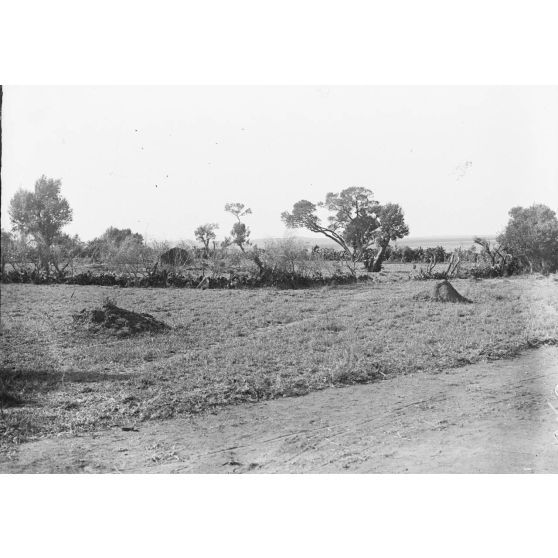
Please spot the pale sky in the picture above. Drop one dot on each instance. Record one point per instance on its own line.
(163, 160)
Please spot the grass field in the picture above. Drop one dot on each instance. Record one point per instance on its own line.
(227, 347)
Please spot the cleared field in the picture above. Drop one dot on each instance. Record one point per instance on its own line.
(227, 347)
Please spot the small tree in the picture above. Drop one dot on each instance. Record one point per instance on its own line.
(64, 252)
(19, 253)
(41, 214)
(102, 247)
(532, 235)
(352, 221)
(396, 254)
(499, 258)
(133, 257)
(205, 234)
(240, 233)
(117, 236)
(287, 255)
(437, 254)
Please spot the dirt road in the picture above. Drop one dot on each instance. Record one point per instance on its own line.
(493, 417)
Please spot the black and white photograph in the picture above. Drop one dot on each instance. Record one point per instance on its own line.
(296, 279)
(279, 279)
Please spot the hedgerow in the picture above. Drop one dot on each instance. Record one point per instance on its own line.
(163, 278)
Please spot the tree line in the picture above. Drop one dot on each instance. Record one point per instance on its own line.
(362, 228)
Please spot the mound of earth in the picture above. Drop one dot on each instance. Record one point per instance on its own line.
(116, 320)
(443, 292)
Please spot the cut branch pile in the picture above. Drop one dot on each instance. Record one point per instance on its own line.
(112, 319)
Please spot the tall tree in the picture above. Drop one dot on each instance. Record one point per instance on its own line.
(42, 214)
(240, 233)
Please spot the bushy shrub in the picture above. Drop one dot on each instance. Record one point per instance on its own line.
(101, 248)
(287, 255)
(531, 236)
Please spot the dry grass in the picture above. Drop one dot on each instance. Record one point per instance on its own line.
(227, 347)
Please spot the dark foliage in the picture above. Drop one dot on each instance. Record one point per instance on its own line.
(531, 236)
(176, 257)
(164, 278)
(406, 254)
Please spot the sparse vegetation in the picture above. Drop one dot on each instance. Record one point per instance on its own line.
(227, 347)
(207, 348)
(361, 227)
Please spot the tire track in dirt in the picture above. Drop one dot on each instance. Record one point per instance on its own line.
(485, 417)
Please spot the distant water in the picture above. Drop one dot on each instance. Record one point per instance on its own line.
(449, 243)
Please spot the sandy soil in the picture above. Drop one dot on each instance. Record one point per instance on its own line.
(493, 417)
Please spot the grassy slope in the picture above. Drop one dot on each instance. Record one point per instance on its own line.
(232, 346)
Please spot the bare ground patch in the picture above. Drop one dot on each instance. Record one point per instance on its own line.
(483, 418)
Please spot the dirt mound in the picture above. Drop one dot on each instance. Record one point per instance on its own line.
(116, 320)
(443, 292)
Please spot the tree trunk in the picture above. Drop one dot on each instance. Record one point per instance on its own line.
(379, 260)
(255, 258)
(44, 259)
(351, 266)
(258, 262)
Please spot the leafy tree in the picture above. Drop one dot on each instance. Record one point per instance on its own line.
(7, 239)
(437, 254)
(396, 254)
(240, 233)
(63, 253)
(392, 227)
(351, 223)
(132, 257)
(42, 214)
(408, 255)
(112, 239)
(19, 252)
(354, 223)
(532, 236)
(205, 234)
(118, 236)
